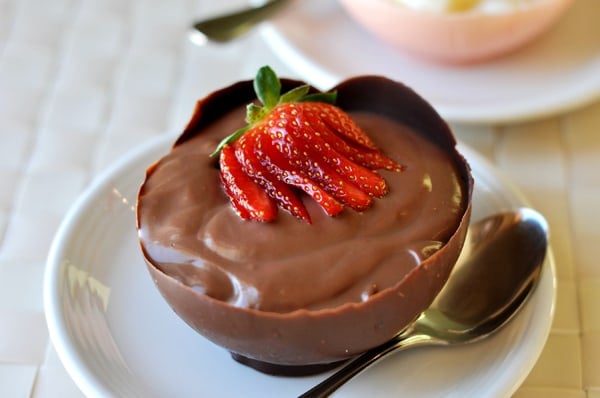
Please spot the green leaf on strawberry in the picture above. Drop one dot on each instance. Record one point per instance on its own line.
(299, 142)
(267, 87)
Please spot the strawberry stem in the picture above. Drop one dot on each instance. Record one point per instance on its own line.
(228, 140)
(329, 98)
(267, 87)
(254, 113)
(295, 94)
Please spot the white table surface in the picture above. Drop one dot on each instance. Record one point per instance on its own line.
(84, 81)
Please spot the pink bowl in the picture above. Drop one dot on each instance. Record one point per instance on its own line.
(460, 37)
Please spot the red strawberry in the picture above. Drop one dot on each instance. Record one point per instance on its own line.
(257, 168)
(287, 171)
(248, 199)
(307, 154)
(298, 142)
(339, 122)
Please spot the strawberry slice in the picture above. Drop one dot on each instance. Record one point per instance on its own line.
(251, 164)
(299, 142)
(289, 170)
(309, 155)
(316, 143)
(248, 199)
(372, 159)
(346, 136)
(339, 122)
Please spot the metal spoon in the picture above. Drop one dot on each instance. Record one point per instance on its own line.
(496, 273)
(227, 27)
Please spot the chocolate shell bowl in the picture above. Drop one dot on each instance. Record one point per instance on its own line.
(290, 297)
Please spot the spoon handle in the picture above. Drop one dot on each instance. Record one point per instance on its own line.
(227, 27)
(363, 361)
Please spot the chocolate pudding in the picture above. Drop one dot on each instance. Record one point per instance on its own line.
(289, 274)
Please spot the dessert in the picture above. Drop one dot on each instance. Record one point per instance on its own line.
(297, 291)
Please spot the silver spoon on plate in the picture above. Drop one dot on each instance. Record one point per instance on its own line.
(226, 27)
(496, 273)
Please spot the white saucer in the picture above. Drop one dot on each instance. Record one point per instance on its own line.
(559, 72)
(117, 337)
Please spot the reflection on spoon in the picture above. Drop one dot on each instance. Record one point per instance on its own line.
(496, 273)
(227, 27)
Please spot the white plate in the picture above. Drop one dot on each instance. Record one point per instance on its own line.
(559, 72)
(117, 337)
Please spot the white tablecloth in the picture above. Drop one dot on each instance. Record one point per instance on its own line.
(84, 81)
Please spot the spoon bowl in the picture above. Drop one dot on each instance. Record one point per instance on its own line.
(494, 276)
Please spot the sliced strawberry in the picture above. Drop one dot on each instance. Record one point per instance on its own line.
(361, 177)
(282, 193)
(316, 145)
(248, 199)
(291, 146)
(373, 160)
(287, 167)
(339, 122)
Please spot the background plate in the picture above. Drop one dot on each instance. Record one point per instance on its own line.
(117, 337)
(317, 40)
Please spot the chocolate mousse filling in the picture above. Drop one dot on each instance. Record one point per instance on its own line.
(189, 231)
(190, 234)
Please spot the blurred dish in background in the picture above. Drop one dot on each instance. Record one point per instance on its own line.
(457, 31)
(555, 73)
(451, 6)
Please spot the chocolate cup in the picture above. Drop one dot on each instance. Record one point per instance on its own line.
(319, 337)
